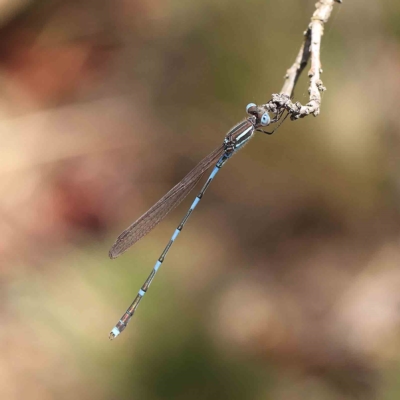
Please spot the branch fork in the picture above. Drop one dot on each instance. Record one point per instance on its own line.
(309, 50)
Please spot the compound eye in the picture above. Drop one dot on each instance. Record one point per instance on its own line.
(249, 106)
(265, 119)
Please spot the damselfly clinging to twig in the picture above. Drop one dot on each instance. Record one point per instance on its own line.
(234, 140)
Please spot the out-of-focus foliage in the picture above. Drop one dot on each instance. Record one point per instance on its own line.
(285, 283)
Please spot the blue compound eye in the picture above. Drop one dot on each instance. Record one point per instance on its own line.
(265, 119)
(249, 106)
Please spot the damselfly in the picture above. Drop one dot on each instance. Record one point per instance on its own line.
(234, 140)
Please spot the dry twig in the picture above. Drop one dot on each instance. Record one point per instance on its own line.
(309, 49)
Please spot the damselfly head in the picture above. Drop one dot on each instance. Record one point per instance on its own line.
(262, 118)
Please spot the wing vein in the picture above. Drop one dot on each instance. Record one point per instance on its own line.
(144, 224)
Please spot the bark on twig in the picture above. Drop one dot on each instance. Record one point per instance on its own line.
(294, 72)
(310, 49)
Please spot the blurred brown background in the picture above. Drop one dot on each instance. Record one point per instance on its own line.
(285, 283)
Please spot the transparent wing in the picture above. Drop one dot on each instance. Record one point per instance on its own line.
(156, 214)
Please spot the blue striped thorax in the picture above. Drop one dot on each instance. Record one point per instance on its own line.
(239, 135)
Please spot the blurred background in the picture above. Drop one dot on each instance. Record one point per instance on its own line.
(285, 283)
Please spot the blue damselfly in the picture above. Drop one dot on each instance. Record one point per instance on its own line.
(234, 140)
